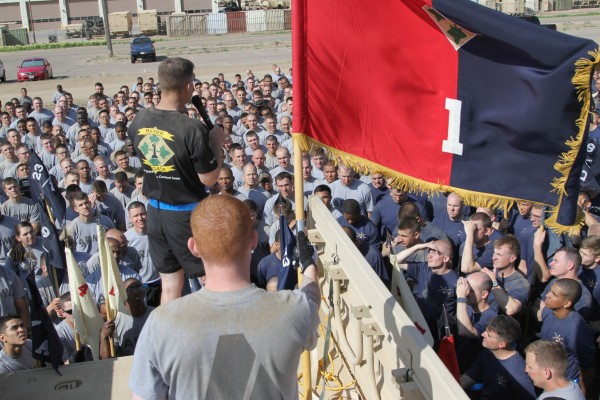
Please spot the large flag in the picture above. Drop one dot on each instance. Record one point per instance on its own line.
(88, 321)
(445, 95)
(46, 345)
(42, 187)
(287, 278)
(114, 292)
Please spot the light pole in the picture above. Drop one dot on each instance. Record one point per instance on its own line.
(31, 20)
(106, 28)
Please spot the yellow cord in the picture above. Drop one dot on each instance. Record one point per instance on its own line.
(329, 376)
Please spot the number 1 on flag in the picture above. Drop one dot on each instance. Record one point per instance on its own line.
(453, 144)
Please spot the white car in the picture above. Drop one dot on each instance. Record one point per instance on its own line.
(2, 72)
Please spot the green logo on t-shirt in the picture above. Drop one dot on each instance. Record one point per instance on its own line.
(155, 149)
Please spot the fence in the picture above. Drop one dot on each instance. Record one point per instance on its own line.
(14, 37)
(232, 22)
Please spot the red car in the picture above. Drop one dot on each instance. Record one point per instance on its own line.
(34, 69)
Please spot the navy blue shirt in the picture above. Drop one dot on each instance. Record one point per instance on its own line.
(516, 286)
(576, 337)
(375, 260)
(482, 255)
(469, 348)
(591, 280)
(502, 379)
(429, 233)
(521, 228)
(378, 193)
(365, 230)
(431, 290)
(268, 267)
(454, 229)
(385, 213)
(583, 306)
(552, 243)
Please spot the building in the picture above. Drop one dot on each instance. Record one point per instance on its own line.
(53, 14)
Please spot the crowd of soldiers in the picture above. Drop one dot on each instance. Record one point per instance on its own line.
(503, 279)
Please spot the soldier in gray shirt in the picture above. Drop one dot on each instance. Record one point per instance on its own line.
(83, 228)
(230, 327)
(18, 206)
(16, 349)
(13, 298)
(66, 328)
(127, 328)
(138, 240)
(546, 364)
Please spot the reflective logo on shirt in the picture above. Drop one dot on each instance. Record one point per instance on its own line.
(156, 150)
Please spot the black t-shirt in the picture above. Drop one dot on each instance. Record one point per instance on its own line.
(173, 149)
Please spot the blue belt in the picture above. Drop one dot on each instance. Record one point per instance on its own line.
(171, 207)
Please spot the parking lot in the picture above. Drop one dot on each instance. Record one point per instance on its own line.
(78, 68)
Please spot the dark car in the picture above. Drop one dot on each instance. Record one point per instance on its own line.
(34, 69)
(142, 47)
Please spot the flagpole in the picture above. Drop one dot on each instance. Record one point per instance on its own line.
(109, 314)
(77, 339)
(300, 117)
(300, 219)
(109, 317)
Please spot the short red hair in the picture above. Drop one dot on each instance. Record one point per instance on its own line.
(222, 228)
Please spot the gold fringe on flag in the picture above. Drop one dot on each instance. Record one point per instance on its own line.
(581, 81)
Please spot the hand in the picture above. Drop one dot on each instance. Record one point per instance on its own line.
(539, 237)
(92, 198)
(217, 136)
(428, 245)
(54, 306)
(107, 329)
(305, 251)
(490, 273)
(470, 228)
(462, 287)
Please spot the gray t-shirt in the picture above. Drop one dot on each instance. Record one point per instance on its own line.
(127, 331)
(7, 234)
(112, 208)
(251, 337)
(24, 361)
(139, 242)
(67, 337)
(570, 392)
(84, 234)
(356, 190)
(25, 211)
(123, 197)
(257, 195)
(11, 289)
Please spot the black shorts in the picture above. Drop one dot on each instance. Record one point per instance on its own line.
(168, 234)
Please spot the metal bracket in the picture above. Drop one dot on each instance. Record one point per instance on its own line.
(337, 274)
(370, 328)
(360, 312)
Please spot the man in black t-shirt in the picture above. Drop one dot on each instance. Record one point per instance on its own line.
(178, 157)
